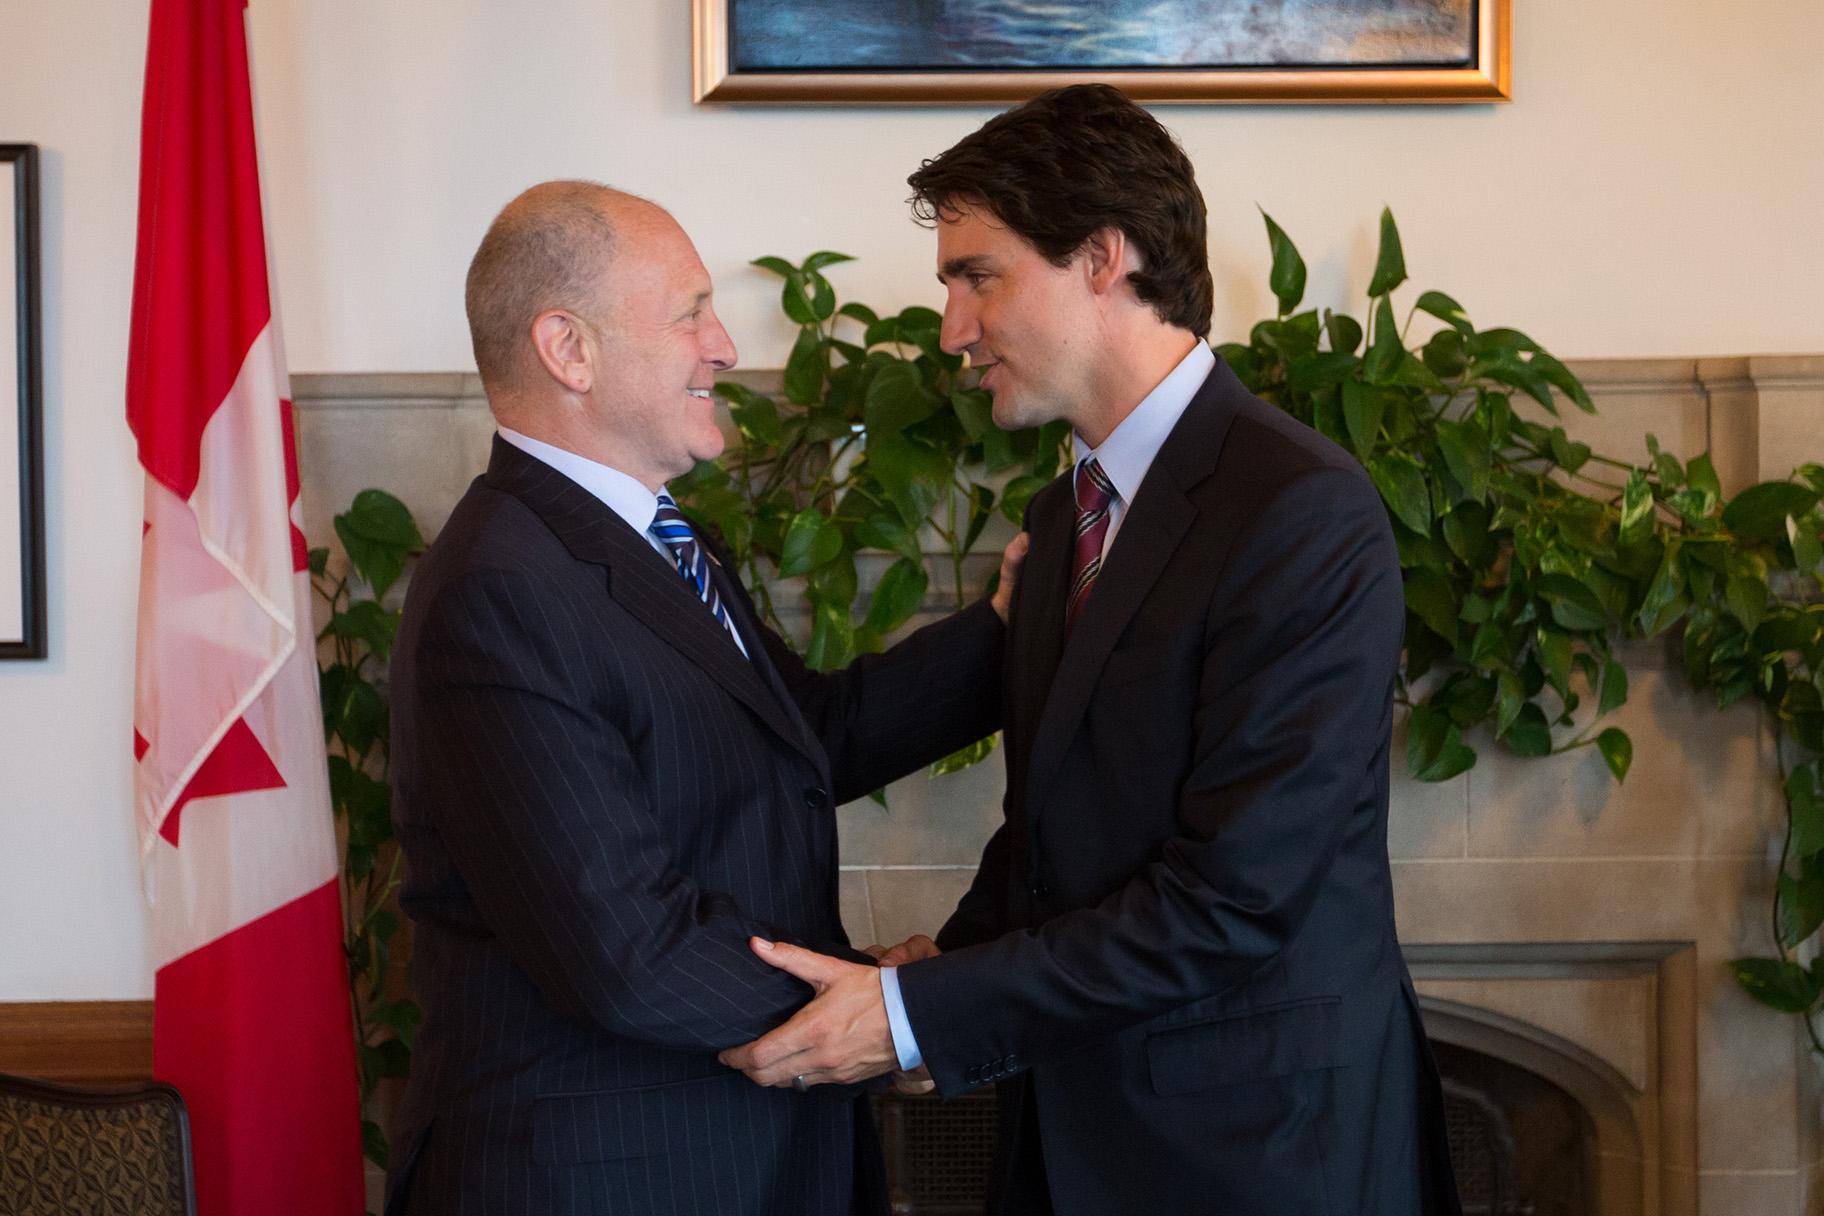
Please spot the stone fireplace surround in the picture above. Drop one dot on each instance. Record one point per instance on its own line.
(1552, 919)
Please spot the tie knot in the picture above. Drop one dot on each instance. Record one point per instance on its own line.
(669, 523)
(1093, 488)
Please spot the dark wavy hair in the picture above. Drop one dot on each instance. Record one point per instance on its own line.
(1071, 162)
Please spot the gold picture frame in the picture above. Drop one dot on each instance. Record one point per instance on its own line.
(1485, 79)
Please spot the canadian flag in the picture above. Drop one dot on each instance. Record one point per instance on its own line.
(252, 1019)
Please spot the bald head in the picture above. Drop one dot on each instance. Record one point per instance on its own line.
(551, 247)
(594, 330)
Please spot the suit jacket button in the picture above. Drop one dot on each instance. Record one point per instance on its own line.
(1039, 890)
(815, 798)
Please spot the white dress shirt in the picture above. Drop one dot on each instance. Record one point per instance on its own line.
(1128, 452)
(620, 492)
(1124, 456)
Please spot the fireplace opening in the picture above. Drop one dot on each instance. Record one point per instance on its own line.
(1520, 1145)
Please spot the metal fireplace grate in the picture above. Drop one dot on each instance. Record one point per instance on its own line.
(938, 1153)
(1481, 1153)
(1518, 1144)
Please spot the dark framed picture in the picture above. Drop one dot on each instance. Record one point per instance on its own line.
(22, 615)
(961, 51)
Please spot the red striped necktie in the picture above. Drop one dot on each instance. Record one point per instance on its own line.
(1094, 493)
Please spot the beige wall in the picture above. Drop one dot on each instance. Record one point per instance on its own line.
(1653, 191)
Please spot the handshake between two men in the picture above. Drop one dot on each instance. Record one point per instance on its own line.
(843, 1035)
(1178, 954)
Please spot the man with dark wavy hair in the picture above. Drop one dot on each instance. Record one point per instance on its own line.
(1178, 957)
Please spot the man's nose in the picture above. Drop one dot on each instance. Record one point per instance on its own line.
(718, 348)
(960, 329)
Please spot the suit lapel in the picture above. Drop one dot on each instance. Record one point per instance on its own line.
(738, 606)
(1037, 639)
(640, 581)
(1155, 523)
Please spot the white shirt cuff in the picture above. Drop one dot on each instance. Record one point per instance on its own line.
(904, 1045)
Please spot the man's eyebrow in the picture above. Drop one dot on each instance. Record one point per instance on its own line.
(962, 265)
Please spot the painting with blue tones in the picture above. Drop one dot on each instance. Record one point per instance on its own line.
(1066, 35)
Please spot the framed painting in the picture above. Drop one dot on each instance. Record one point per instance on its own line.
(963, 51)
(22, 614)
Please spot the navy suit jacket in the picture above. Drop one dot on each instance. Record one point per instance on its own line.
(1183, 932)
(600, 800)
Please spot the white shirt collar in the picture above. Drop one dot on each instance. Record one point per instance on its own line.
(1128, 452)
(619, 492)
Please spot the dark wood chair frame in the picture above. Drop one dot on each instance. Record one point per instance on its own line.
(113, 1097)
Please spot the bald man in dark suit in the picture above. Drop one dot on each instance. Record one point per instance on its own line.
(610, 775)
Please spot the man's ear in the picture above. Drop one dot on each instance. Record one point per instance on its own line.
(563, 349)
(1108, 258)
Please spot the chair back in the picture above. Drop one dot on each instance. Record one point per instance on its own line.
(65, 1151)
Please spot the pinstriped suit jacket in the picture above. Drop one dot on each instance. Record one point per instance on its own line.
(599, 801)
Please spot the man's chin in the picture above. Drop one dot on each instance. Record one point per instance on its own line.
(1007, 414)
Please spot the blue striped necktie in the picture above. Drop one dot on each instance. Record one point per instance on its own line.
(670, 526)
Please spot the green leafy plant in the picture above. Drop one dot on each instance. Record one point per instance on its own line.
(1524, 553)
(881, 444)
(1526, 556)
(1760, 632)
(379, 536)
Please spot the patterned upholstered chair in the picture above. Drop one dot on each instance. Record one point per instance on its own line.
(66, 1151)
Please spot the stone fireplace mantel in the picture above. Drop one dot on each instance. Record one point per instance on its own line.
(1613, 1024)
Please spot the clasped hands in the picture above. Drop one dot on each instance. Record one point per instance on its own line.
(842, 1035)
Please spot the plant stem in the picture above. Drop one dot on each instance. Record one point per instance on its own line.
(781, 465)
(861, 491)
(1779, 937)
(762, 593)
(826, 482)
(1532, 453)
(1610, 461)
(1450, 399)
